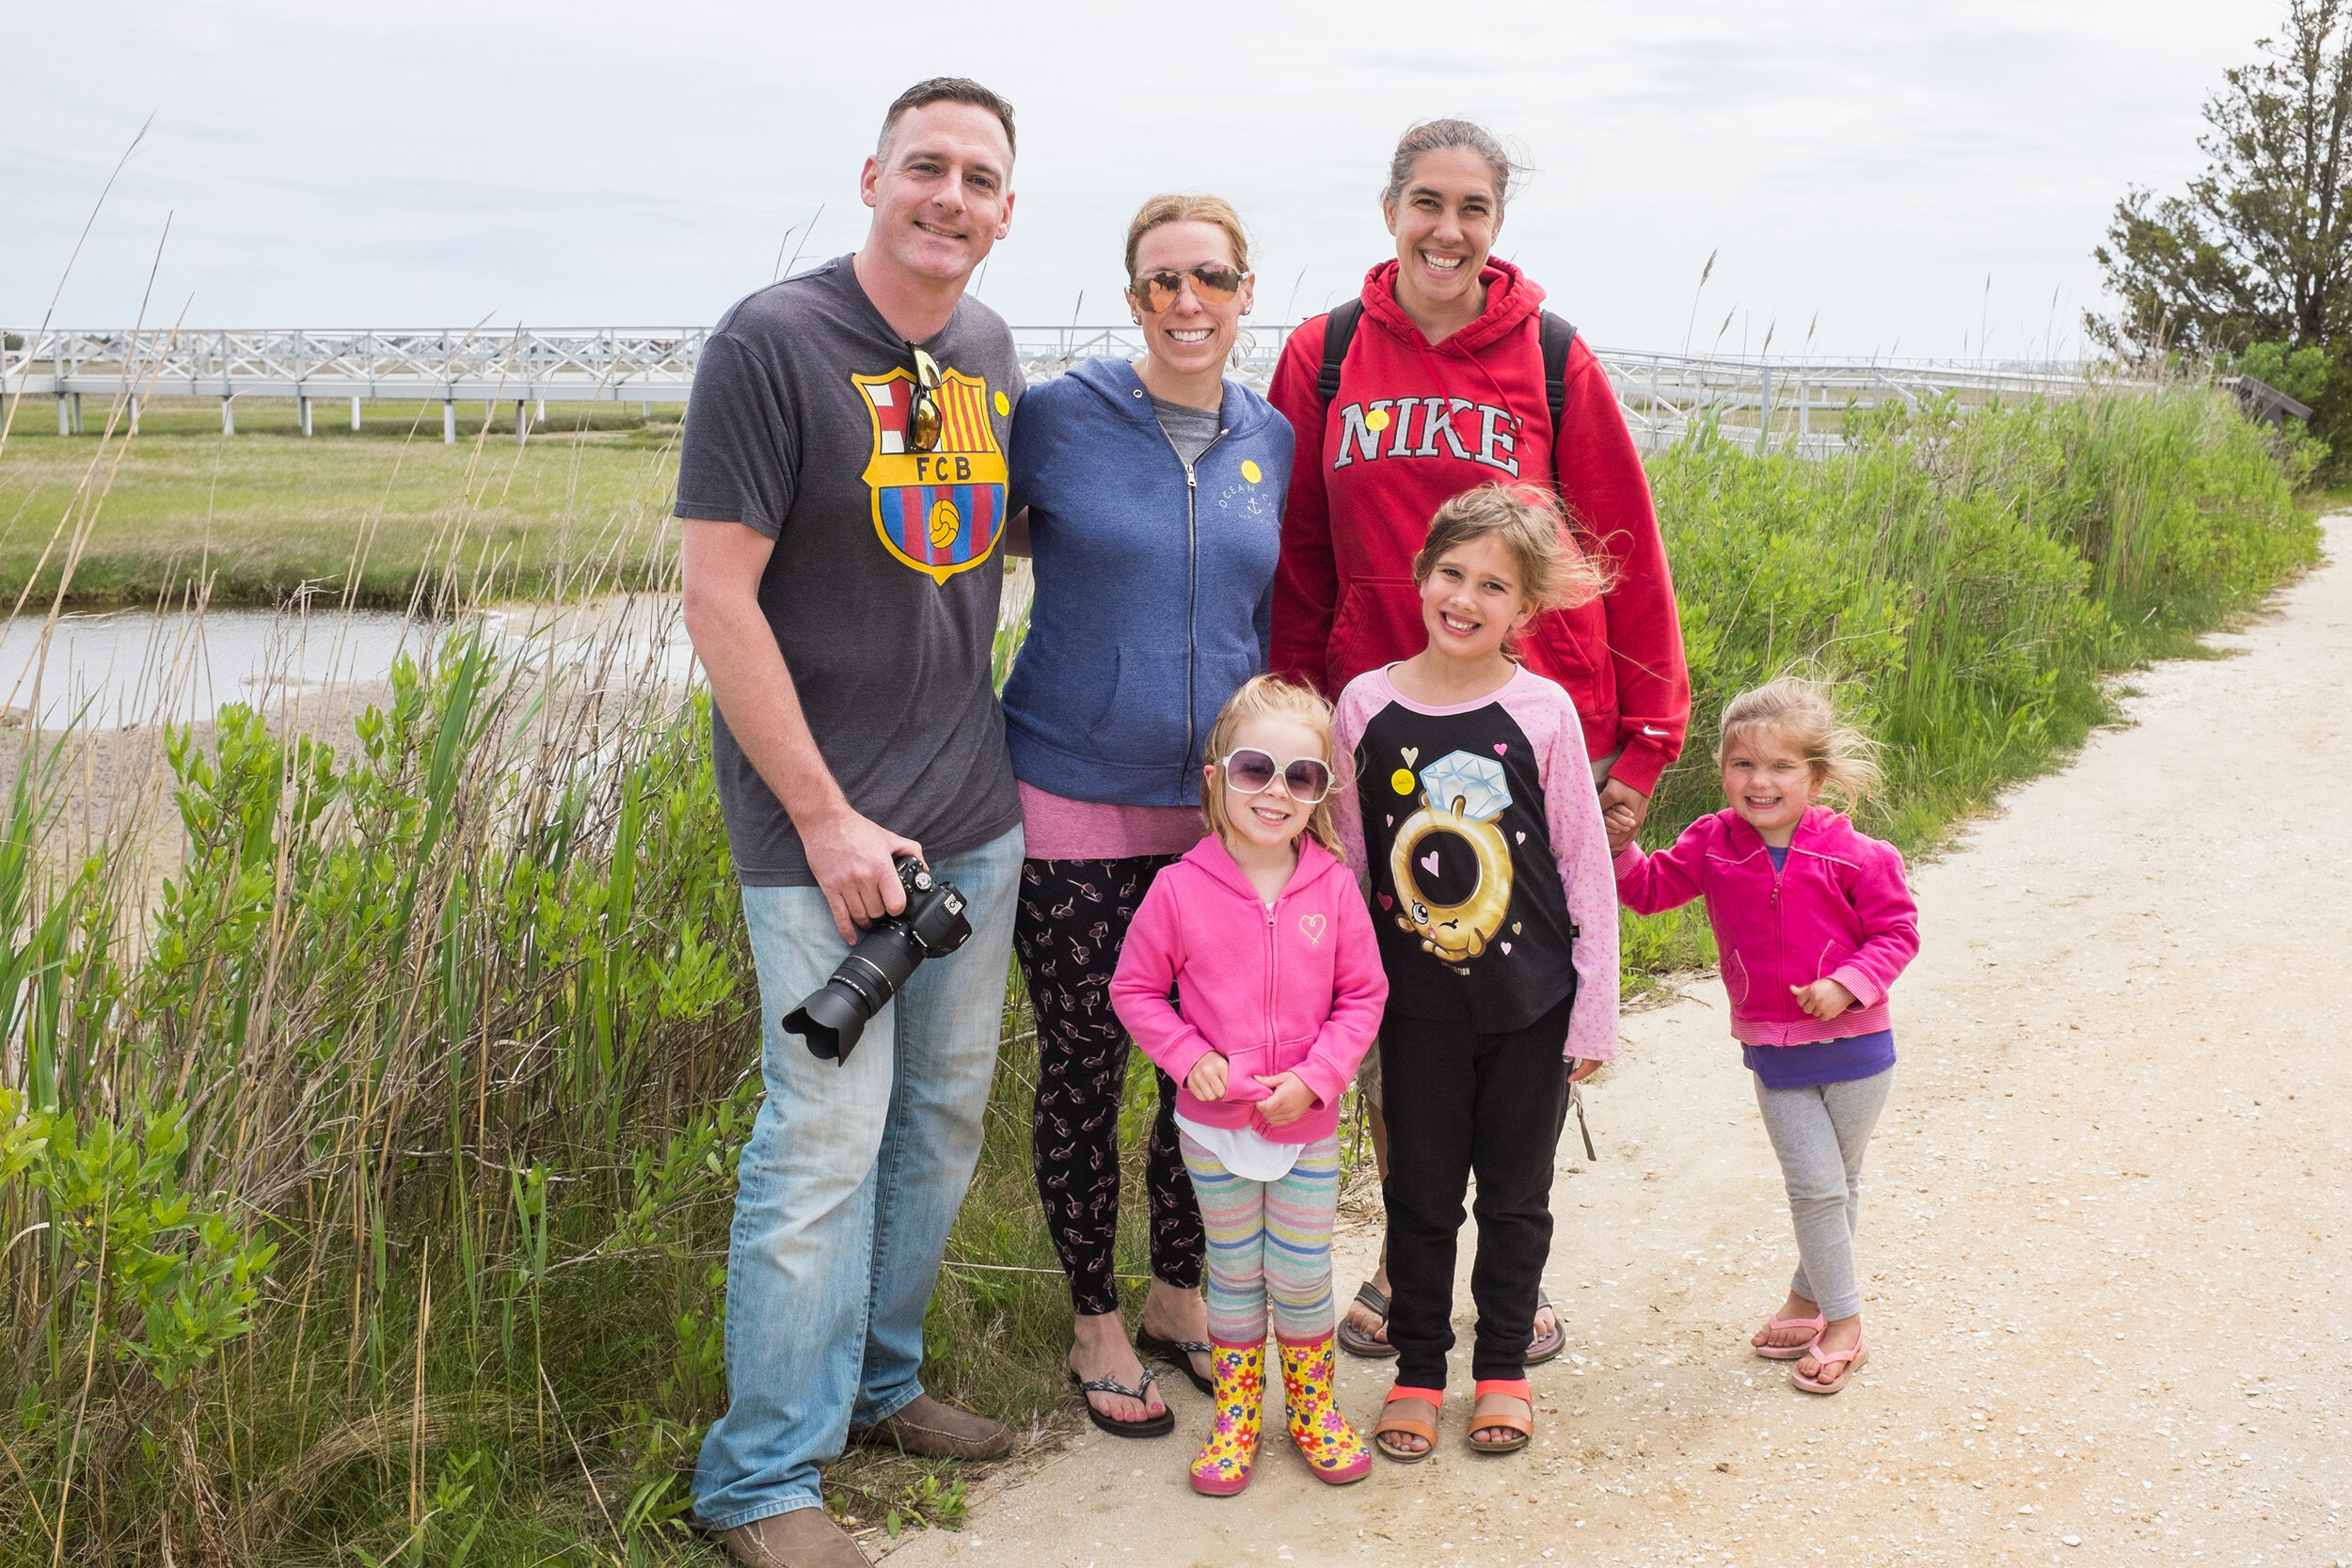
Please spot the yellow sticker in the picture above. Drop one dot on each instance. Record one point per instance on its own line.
(1250, 471)
(1402, 781)
(1377, 420)
(1003, 403)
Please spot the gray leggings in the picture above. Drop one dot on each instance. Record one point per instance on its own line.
(1821, 1133)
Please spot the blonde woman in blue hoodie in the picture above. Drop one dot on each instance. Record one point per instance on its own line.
(1155, 494)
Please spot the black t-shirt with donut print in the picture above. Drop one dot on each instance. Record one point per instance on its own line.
(1466, 893)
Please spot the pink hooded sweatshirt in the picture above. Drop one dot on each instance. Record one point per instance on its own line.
(1295, 989)
(1839, 911)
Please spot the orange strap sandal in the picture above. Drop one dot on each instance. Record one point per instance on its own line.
(1410, 1426)
(1482, 1419)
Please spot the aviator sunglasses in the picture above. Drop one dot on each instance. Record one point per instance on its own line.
(1157, 291)
(923, 414)
(1254, 772)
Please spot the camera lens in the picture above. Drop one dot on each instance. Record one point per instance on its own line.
(830, 1021)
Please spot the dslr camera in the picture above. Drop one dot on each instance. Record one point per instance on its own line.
(931, 926)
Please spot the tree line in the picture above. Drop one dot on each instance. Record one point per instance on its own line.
(2249, 267)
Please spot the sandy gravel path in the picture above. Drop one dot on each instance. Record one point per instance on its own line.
(2104, 1230)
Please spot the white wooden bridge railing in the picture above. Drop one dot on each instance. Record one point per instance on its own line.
(1773, 403)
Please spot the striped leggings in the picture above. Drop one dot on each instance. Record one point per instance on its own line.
(1268, 1242)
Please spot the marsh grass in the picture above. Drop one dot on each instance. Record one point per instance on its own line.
(365, 1178)
(263, 513)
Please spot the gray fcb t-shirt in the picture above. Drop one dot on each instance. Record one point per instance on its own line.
(883, 585)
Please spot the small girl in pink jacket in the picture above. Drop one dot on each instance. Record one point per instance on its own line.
(1813, 923)
(1264, 939)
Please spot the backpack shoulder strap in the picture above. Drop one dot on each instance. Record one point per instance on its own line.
(1557, 337)
(1339, 330)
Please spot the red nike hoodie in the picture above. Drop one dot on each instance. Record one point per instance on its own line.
(1416, 422)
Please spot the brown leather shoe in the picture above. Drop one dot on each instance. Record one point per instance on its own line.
(803, 1538)
(929, 1430)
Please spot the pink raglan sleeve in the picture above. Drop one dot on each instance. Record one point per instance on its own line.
(1149, 962)
(1354, 711)
(1580, 847)
(1890, 925)
(1359, 990)
(1649, 884)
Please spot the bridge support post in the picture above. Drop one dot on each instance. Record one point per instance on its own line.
(302, 414)
(77, 413)
(65, 420)
(646, 410)
(354, 414)
(522, 420)
(135, 414)
(541, 416)
(449, 422)
(228, 416)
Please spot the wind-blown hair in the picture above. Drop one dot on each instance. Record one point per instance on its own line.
(1802, 714)
(1555, 573)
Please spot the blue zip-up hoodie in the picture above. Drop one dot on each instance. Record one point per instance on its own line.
(1154, 587)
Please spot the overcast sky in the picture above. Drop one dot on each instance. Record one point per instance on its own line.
(595, 164)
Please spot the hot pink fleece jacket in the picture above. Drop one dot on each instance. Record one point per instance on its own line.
(1295, 989)
(1839, 911)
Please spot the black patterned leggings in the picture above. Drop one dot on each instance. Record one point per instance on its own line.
(1073, 916)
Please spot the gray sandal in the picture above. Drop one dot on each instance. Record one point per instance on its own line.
(1355, 1340)
(1543, 1347)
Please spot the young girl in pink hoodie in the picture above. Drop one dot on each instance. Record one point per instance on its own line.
(1813, 922)
(1261, 935)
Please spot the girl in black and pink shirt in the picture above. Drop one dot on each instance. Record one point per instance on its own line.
(1473, 818)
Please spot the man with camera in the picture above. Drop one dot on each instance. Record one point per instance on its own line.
(842, 490)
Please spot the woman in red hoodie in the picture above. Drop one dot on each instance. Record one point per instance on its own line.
(1443, 386)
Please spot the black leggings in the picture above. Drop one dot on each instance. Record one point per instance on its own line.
(1459, 1102)
(1073, 915)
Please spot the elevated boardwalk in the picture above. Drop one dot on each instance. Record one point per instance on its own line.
(1780, 403)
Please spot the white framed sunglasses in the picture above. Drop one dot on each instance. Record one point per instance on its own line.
(1306, 780)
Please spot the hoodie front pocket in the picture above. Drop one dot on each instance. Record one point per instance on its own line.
(1142, 726)
(1735, 980)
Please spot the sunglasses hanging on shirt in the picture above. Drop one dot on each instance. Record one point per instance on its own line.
(923, 413)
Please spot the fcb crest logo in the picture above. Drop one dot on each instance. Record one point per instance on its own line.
(939, 512)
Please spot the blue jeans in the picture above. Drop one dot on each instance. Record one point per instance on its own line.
(853, 1174)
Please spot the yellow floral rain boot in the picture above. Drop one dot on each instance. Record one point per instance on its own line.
(1333, 1450)
(1223, 1466)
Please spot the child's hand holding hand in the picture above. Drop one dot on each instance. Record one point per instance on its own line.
(1207, 1078)
(1289, 1099)
(1824, 999)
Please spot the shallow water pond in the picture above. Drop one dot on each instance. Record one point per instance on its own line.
(131, 667)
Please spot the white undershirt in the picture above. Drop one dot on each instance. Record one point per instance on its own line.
(1243, 1150)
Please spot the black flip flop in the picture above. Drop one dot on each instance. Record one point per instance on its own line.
(1151, 1426)
(1355, 1340)
(1178, 1353)
(1544, 1347)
